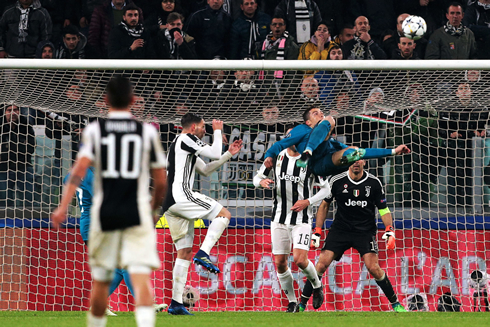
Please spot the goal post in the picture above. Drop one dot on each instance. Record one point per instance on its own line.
(439, 194)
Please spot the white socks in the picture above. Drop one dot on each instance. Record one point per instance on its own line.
(181, 268)
(93, 321)
(145, 316)
(311, 274)
(216, 228)
(286, 281)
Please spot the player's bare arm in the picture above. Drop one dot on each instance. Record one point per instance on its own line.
(267, 183)
(78, 173)
(235, 147)
(269, 163)
(402, 149)
(321, 214)
(159, 176)
(389, 234)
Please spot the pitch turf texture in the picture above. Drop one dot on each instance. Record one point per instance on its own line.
(256, 319)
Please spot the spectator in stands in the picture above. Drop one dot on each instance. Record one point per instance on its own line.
(381, 15)
(318, 46)
(87, 7)
(362, 46)
(457, 128)
(210, 27)
(45, 50)
(333, 82)
(158, 20)
(192, 6)
(270, 114)
(332, 14)
(346, 34)
(129, 40)
(62, 13)
(172, 42)
(250, 27)
(16, 171)
(278, 45)
(477, 18)
(299, 13)
(73, 44)
(391, 44)
(310, 91)
(453, 40)
(406, 49)
(104, 18)
(413, 173)
(22, 27)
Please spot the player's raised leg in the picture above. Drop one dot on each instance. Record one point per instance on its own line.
(320, 133)
(216, 228)
(350, 155)
(371, 261)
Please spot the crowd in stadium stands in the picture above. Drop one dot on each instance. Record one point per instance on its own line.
(258, 29)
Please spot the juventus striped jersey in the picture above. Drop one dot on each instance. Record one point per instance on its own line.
(123, 151)
(181, 166)
(356, 202)
(292, 183)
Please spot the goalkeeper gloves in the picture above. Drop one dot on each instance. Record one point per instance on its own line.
(389, 236)
(315, 237)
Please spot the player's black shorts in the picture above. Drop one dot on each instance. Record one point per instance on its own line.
(339, 241)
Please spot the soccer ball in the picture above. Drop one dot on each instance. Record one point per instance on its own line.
(414, 27)
(190, 296)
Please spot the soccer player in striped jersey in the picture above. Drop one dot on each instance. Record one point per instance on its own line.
(84, 194)
(183, 205)
(326, 155)
(292, 218)
(357, 194)
(125, 153)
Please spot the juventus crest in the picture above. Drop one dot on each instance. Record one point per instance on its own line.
(368, 190)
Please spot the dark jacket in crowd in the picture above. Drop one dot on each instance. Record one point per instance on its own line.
(39, 29)
(88, 7)
(59, 10)
(17, 145)
(357, 49)
(101, 24)
(286, 9)
(381, 14)
(397, 55)
(443, 45)
(390, 45)
(62, 52)
(211, 30)
(241, 44)
(163, 47)
(157, 19)
(120, 42)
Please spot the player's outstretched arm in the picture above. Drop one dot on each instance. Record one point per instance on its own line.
(402, 149)
(321, 216)
(78, 173)
(206, 169)
(213, 152)
(159, 190)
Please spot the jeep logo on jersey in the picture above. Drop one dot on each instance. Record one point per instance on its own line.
(351, 203)
(290, 178)
(356, 193)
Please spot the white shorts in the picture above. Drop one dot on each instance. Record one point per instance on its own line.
(134, 246)
(180, 218)
(283, 236)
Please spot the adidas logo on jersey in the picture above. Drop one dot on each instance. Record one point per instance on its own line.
(351, 203)
(289, 178)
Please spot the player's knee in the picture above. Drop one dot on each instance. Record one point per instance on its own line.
(375, 270)
(281, 265)
(102, 274)
(300, 260)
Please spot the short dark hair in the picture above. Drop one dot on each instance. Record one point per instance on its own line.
(346, 26)
(173, 16)
(241, 2)
(189, 118)
(131, 6)
(70, 29)
(454, 4)
(279, 17)
(119, 92)
(306, 113)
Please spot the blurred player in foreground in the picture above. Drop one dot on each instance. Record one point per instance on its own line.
(124, 153)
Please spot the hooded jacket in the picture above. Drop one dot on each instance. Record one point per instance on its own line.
(241, 30)
(39, 29)
(78, 53)
(40, 47)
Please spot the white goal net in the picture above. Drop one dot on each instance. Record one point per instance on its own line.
(439, 194)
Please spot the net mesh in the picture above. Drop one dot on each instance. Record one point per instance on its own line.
(438, 194)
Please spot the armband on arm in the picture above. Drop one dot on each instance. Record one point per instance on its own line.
(384, 211)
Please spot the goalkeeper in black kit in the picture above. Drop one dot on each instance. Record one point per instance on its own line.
(357, 193)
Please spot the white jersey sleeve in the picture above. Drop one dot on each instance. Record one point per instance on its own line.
(262, 174)
(87, 147)
(194, 145)
(324, 191)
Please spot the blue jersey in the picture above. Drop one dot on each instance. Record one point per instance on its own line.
(298, 136)
(84, 197)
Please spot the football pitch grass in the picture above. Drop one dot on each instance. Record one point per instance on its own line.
(255, 319)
